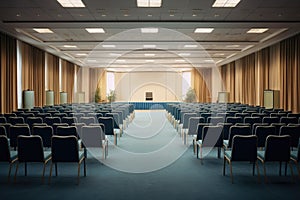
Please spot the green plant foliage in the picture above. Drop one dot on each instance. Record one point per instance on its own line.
(111, 96)
(97, 95)
(190, 96)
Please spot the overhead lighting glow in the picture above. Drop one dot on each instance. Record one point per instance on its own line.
(115, 54)
(71, 3)
(149, 54)
(180, 60)
(226, 3)
(70, 46)
(184, 54)
(149, 30)
(233, 46)
(203, 30)
(81, 54)
(108, 46)
(190, 46)
(257, 30)
(149, 46)
(43, 30)
(120, 61)
(149, 3)
(149, 61)
(95, 30)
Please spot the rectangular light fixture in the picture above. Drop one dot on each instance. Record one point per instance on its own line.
(149, 61)
(149, 3)
(81, 54)
(180, 60)
(149, 46)
(226, 3)
(95, 30)
(203, 30)
(149, 30)
(43, 30)
(184, 54)
(71, 3)
(70, 46)
(149, 54)
(190, 46)
(120, 61)
(257, 30)
(108, 46)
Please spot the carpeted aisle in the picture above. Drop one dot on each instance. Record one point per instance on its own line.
(183, 178)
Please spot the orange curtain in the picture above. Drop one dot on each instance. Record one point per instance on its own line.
(201, 79)
(68, 70)
(53, 76)
(8, 74)
(33, 72)
(272, 68)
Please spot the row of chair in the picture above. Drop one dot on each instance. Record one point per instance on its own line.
(64, 149)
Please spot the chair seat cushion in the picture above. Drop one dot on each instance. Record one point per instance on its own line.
(294, 155)
(13, 155)
(228, 154)
(199, 142)
(225, 143)
(81, 154)
(47, 155)
(261, 154)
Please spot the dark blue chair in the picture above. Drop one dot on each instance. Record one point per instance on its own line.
(277, 149)
(198, 136)
(65, 150)
(244, 148)
(236, 130)
(262, 132)
(289, 120)
(51, 120)
(234, 120)
(87, 120)
(211, 137)
(6, 154)
(16, 131)
(45, 132)
(109, 127)
(30, 149)
(294, 132)
(295, 156)
(69, 120)
(16, 120)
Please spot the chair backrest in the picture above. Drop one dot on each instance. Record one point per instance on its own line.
(60, 115)
(293, 131)
(277, 127)
(277, 148)
(215, 120)
(4, 149)
(92, 136)
(87, 120)
(26, 115)
(212, 136)
(45, 132)
(16, 120)
(108, 124)
(16, 131)
(244, 148)
(69, 120)
(242, 115)
(289, 120)
(297, 115)
(205, 116)
(262, 132)
(32, 120)
(193, 124)
(66, 131)
(252, 120)
(234, 120)
(186, 117)
(3, 130)
(43, 115)
(238, 130)
(51, 120)
(30, 149)
(3, 120)
(253, 128)
(270, 120)
(64, 149)
(115, 116)
(226, 128)
(200, 130)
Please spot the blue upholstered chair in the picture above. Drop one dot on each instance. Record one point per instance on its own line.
(277, 149)
(45, 132)
(6, 154)
(30, 149)
(295, 156)
(244, 148)
(65, 150)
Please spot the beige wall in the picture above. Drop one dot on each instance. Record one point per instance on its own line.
(131, 86)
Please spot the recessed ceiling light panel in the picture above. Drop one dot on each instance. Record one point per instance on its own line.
(95, 30)
(203, 30)
(43, 30)
(149, 3)
(226, 3)
(71, 3)
(149, 30)
(257, 30)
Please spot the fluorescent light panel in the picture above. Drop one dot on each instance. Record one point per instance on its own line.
(149, 61)
(149, 30)
(203, 30)
(71, 3)
(149, 46)
(95, 30)
(149, 54)
(43, 30)
(184, 54)
(226, 3)
(70, 46)
(108, 46)
(190, 46)
(149, 3)
(257, 30)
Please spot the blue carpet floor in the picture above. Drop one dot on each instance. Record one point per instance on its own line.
(183, 178)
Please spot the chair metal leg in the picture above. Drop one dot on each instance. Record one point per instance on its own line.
(230, 164)
(84, 167)
(258, 175)
(194, 147)
(285, 169)
(197, 150)
(44, 167)
(25, 168)
(9, 171)
(224, 165)
(50, 175)
(55, 169)
(292, 173)
(219, 152)
(253, 168)
(265, 173)
(201, 155)
(280, 163)
(78, 177)
(16, 172)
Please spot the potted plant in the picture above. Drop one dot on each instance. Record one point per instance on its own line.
(97, 95)
(190, 96)
(111, 96)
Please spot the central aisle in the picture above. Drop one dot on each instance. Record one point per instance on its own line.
(149, 143)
